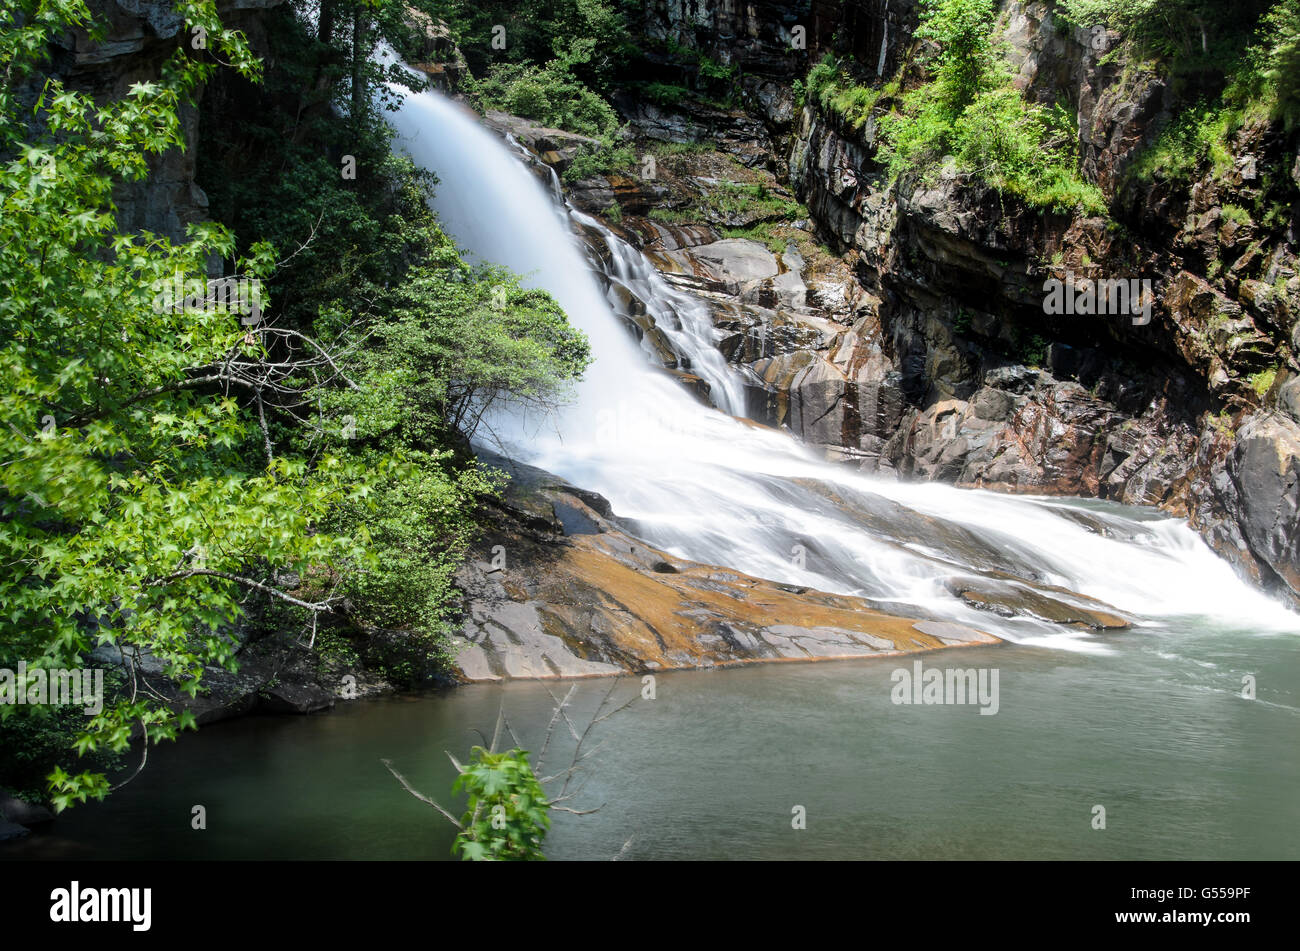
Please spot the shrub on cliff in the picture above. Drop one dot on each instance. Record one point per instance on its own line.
(552, 95)
(971, 113)
(1259, 84)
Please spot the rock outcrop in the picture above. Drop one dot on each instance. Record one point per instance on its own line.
(558, 589)
(139, 35)
(935, 357)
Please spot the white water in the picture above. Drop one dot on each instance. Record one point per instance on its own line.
(703, 485)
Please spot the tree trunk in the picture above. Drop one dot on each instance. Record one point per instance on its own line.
(359, 55)
(325, 25)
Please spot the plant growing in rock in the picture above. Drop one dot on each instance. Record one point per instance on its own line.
(972, 112)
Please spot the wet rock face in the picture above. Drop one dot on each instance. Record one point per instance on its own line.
(555, 147)
(562, 599)
(1013, 598)
(1152, 412)
(1265, 470)
(1052, 437)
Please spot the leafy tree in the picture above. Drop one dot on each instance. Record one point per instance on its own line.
(137, 512)
(1281, 66)
(451, 342)
(172, 470)
(441, 341)
(590, 36)
(965, 62)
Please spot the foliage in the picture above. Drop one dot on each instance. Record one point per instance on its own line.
(152, 502)
(663, 94)
(1191, 35)
(134, 501)
(600, 159)
(1235, 214)
(453, 342)
(962, 31)
(551, 94)
(752, 202)
(507, 815)
(40, 735)
(971, 114)
(1261, 83)
(1280, 60)
(592, 35)
(554, 96)
(1263, 381)
(1199, 133)
(443, 340)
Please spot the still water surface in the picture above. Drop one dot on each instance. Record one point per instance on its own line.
(1152, 726)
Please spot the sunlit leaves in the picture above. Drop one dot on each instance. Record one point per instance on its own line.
(130, 501)
(508, 814)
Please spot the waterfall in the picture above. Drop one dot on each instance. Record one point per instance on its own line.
(708, 486)
(884, 39)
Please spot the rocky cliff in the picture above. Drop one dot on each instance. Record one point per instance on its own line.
(138, 36)
(929, 354)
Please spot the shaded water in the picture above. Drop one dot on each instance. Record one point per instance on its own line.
(1155, 731)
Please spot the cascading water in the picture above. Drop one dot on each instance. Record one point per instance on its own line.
(682, 318)
(707, 486)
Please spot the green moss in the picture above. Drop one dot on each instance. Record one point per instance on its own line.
(673, 216)
(1263, 381)
(1235, 214)
(1222, 422)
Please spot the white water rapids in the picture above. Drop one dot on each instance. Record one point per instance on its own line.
(704, 485)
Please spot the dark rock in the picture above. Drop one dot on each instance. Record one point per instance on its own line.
(1265, 468)
(23, 813)
(296, 698)
(10, 830)
(1013, 599)
(573, 521)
